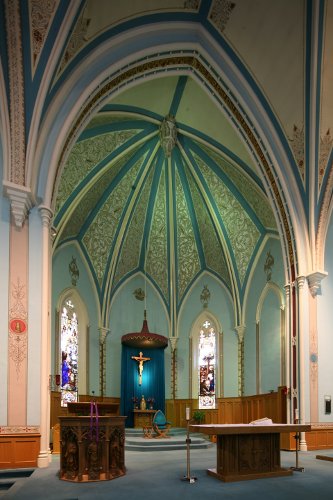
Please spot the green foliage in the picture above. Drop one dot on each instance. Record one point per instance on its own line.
(199, 416)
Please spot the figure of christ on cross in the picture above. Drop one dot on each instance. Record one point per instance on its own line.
(140, 360)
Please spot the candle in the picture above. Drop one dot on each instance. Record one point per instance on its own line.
(187, 413)
(296, 414)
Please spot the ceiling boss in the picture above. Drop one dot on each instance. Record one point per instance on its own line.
(168, 134)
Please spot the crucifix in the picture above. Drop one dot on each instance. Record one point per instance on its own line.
(140, 360)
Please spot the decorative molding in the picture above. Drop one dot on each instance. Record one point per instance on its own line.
(76, 42)
(326, 143)
(220, 13)
(41, 14)
(16, 84)
(297, 143)
(314, 282)
(15, 429)
(192, 4)
(18, 339)
(21, 201)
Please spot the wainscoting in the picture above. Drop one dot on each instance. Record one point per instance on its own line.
(233, 410)
(19, 450)
(320, 438)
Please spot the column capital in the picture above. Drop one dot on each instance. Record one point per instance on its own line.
(46, 215)
(173, 342)
(240, 330)
(21, 201)
(314, 281)
(300, 280)
(103, 333)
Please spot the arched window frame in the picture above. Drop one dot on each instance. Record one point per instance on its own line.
(83, 336)
(194, 355)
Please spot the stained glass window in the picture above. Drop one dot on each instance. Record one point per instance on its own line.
(69, 354)
(207, 365)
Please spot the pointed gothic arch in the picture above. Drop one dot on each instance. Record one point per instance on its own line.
(270, 288)
(206, 370)
(72, 295)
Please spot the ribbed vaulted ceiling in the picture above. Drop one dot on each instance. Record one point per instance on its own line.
(134, 205)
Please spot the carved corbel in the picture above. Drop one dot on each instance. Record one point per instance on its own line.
(21, 201)
(314, 282)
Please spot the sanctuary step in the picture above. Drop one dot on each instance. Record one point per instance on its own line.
(135, 441)
(8, 477)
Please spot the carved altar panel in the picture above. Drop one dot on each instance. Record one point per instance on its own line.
(90, 449)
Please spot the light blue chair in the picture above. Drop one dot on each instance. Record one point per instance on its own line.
(160, 425)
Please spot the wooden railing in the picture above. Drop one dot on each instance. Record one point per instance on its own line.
(233, 410)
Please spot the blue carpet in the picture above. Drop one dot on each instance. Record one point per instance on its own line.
(157, 476)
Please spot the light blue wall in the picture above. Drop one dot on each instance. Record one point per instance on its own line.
(270, 344)
(127, 315)
(220, 306)
(325, 331)
(62, 281)
(255, 289)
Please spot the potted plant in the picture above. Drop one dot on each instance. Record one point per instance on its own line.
(199, 416)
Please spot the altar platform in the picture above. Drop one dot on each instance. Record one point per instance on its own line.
(135, 441)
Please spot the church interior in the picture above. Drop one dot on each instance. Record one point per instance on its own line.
(165, 217)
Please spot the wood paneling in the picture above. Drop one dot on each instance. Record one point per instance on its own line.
(320, 438)
(233, 410)
(19, 450)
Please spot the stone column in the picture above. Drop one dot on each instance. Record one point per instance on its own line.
(289, 369)
(314, 282)
(45, 361)
(300, 345)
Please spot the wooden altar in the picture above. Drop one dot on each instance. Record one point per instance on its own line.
(92, 449)
(247, 451)
(143, 418)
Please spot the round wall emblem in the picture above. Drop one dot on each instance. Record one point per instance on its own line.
(17, 326)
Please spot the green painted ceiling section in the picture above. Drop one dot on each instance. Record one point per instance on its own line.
(132, 208)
